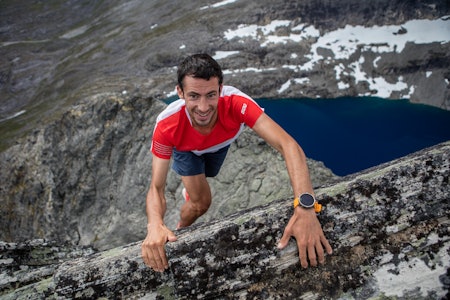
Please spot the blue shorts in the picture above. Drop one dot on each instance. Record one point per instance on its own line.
(186, 163)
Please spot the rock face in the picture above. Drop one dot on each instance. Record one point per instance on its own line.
(84, 178)
(388, 227)
(112, 46)
(32, 261)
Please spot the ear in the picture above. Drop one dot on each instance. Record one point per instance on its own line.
(220, 89)
(180, 92)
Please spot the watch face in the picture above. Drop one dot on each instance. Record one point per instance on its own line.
(307, 200)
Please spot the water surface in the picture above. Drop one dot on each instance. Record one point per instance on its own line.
(352, 134)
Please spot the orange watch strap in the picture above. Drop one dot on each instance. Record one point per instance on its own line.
(317, 206)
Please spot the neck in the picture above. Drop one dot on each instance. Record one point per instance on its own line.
(206, 129)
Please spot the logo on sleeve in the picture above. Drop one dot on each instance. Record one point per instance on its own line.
(244, 108)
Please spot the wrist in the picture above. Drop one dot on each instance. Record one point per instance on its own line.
(154, 224)
(307, 201)
(301, 212)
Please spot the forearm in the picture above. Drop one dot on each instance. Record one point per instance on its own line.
(297, 168)
(153, 252)
(155, 206)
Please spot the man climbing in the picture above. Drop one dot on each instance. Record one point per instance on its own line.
(196, 131)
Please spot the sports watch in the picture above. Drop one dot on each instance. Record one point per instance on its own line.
(307, 200)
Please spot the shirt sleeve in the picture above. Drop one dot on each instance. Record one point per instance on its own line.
(246, 110)
(160, 147)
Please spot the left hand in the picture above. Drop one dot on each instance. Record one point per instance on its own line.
(306, 229)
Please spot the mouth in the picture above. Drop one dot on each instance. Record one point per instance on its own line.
(203, 118)
(204, 115)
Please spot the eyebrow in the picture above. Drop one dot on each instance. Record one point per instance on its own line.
(195, 93)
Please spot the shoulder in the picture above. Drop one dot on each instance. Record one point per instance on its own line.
(238, 106)
(235, 97)
(171, 110)
(228, 90)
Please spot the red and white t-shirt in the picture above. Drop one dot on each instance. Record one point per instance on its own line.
(174, 128)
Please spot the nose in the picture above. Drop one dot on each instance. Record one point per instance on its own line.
(203, 104)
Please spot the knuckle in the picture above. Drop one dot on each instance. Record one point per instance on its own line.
(303, 244)
(153, 244)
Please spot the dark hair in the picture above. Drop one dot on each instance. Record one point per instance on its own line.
(199, 66)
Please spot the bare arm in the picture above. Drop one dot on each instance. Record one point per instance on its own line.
(303, 225)
(292, 153)
(156, 201)
(153, 252)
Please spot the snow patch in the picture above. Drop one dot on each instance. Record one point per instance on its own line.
(267, 34)
(343, 86)
(218, 4)
(284, 87)
(226, 72)
(224, 54)
(375, 62)
(381, 39)
(288, 83)
(172, 93)
(343, 43)
(384, 89)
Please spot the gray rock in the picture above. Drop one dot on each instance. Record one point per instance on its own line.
(388, 227)
(26, 263)
(63, 182)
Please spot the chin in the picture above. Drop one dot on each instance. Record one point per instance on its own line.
(203, 124)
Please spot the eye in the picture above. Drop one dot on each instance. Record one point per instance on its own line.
(193, 96)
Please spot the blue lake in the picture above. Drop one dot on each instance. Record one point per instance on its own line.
(352, 134)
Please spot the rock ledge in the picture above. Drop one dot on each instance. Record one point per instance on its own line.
(387, 225)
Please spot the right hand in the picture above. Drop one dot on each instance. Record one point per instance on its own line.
(153, 252)
(307, 231)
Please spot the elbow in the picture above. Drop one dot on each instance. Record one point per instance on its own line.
(290, 145)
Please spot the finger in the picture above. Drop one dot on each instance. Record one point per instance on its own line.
(302, 255)
(286, 235)
(320, 253)
(155, 260)
(163, 258)
(327, 245)
(312, 255)
(171, 237)
(144, 254)
(284, 239)
(151, 260)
